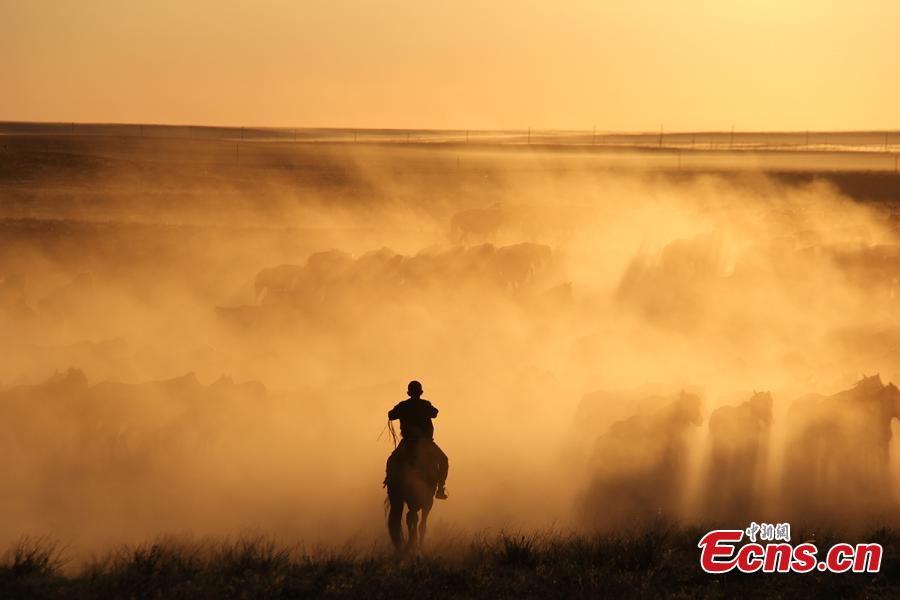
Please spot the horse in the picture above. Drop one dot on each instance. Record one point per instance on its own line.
(837, 460)
(412, 482)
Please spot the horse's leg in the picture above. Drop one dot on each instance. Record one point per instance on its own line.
(412, 520)
(423, 525)
(394, 527)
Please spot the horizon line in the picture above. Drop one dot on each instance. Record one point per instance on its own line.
(593, 130)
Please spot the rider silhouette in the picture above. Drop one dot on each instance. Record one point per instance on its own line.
(417, 431)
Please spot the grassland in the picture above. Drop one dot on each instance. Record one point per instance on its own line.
(659, 560)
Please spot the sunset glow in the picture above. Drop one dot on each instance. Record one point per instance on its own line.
(696, 65)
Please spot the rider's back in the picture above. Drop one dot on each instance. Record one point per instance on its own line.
(415, 416)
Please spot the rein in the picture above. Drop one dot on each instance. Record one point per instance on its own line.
(393, 433)
(390, 428)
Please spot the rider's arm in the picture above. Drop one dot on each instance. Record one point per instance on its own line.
(434, 411)
(394, 413)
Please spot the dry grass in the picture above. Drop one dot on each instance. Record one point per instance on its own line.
(657, 560)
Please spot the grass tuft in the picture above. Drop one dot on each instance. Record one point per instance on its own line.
(34, 557)
(655, 559)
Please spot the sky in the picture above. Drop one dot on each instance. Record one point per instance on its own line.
(467, 64)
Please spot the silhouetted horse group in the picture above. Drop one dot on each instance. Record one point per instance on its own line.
(833, 465)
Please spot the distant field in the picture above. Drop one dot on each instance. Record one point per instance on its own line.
(105, 175)
(868, 141)
(800, 150)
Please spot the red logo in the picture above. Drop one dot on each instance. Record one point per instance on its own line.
(720, 553)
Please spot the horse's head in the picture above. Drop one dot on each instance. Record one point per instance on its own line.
(687, 409)
(868, 385)
(760, 405)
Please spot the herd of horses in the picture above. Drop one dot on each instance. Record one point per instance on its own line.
(825, 459)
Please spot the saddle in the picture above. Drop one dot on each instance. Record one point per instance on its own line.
(417, 455)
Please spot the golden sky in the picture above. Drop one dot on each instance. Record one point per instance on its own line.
(628, 65)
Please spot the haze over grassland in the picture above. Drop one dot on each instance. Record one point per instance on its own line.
(238, 327)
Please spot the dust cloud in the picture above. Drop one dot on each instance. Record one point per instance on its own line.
(205, 337)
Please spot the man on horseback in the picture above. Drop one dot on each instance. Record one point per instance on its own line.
(417, 443)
